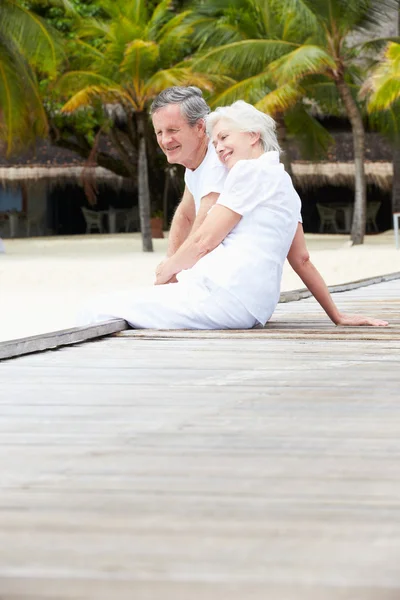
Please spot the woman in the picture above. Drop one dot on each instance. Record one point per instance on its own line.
(229, 270)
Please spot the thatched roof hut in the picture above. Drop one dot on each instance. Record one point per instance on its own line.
(57, 166)
(319, 174)
(56, 175)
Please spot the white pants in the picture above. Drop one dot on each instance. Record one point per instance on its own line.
(182, 305)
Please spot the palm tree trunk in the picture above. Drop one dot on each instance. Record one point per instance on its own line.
(357, 126)
(396, 177)
(143, 186)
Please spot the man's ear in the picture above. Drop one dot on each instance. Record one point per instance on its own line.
(201, 127)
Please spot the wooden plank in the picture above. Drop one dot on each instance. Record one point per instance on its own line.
(58, 339)
(242, 467)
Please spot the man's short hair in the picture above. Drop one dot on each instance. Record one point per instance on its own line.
(190, 98)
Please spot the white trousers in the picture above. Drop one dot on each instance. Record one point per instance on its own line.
(182, 305)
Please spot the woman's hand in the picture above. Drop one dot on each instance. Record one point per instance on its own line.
(358, 321)
(163, 273)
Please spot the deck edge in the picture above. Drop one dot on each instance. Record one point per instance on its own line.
(303, 293)
(58, 339)
(67, 337)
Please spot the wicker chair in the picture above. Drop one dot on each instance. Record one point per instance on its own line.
(93, 219)
(327, 217)
(372, 211)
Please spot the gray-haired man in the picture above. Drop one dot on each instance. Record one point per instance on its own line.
(178, 115)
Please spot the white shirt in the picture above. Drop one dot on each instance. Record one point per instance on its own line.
(249, 261)
(209, 177)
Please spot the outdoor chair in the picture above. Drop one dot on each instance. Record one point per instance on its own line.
(36, 222)
(372, 211)
(327, 217)
(93, 219)
(132, 219)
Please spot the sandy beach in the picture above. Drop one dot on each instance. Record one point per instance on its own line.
(44, 281)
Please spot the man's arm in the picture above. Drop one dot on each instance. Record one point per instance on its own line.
(299, 260)
(208, 236)
(182, 222)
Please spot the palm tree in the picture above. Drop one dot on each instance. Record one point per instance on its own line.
(253, 33)
(125, 60)
(383, 91)
(316, 58)
(28, 46)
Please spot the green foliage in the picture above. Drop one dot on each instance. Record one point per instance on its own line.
(28, 46)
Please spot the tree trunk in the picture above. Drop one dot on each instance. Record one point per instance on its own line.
(396, 177)
(143, 186)
(357, 126)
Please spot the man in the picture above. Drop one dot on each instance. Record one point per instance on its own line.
(178, 115)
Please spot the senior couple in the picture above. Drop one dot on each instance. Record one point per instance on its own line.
(238, 220)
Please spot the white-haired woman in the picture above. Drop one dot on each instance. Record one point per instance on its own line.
(229, 270)
(243, 243)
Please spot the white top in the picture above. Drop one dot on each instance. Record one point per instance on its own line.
(249, 261)
(209, 177)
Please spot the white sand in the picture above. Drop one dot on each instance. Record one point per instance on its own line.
(44, 281)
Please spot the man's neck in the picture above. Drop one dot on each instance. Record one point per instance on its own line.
(195, 161)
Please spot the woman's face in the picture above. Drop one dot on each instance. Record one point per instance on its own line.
(232, 145)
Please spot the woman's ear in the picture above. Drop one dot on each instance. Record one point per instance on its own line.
(254, 137)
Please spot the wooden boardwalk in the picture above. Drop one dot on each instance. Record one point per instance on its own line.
(258, 465)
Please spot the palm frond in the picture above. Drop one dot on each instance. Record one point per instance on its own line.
(136, 10)
(209, 33)
(383, 85)
(324, 95)
(281, 99)
(139, 59)
(299, 10)
(175, 76)
(252, 90)
(314, 139)
(34, 37)
(250, 55)
(387, 122)
(177, 25)
(91, 95)
(299, 63)
(160, 14)
(73, 81)
(22, 116)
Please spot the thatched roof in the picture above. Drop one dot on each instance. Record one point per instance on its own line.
(310, 175)
(57, 166)
(306, 175)
(55, 175)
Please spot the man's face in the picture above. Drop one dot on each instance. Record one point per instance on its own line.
(181, 143)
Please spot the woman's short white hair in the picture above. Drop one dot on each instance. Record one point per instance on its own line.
(246, 118)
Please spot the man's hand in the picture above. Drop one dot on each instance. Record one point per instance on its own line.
(359, 320)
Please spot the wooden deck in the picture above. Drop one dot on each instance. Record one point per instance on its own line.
(259, 465)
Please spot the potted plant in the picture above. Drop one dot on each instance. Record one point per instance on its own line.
(156, 224)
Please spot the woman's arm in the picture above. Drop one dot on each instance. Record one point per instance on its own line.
(299, 260)
(216, 226)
